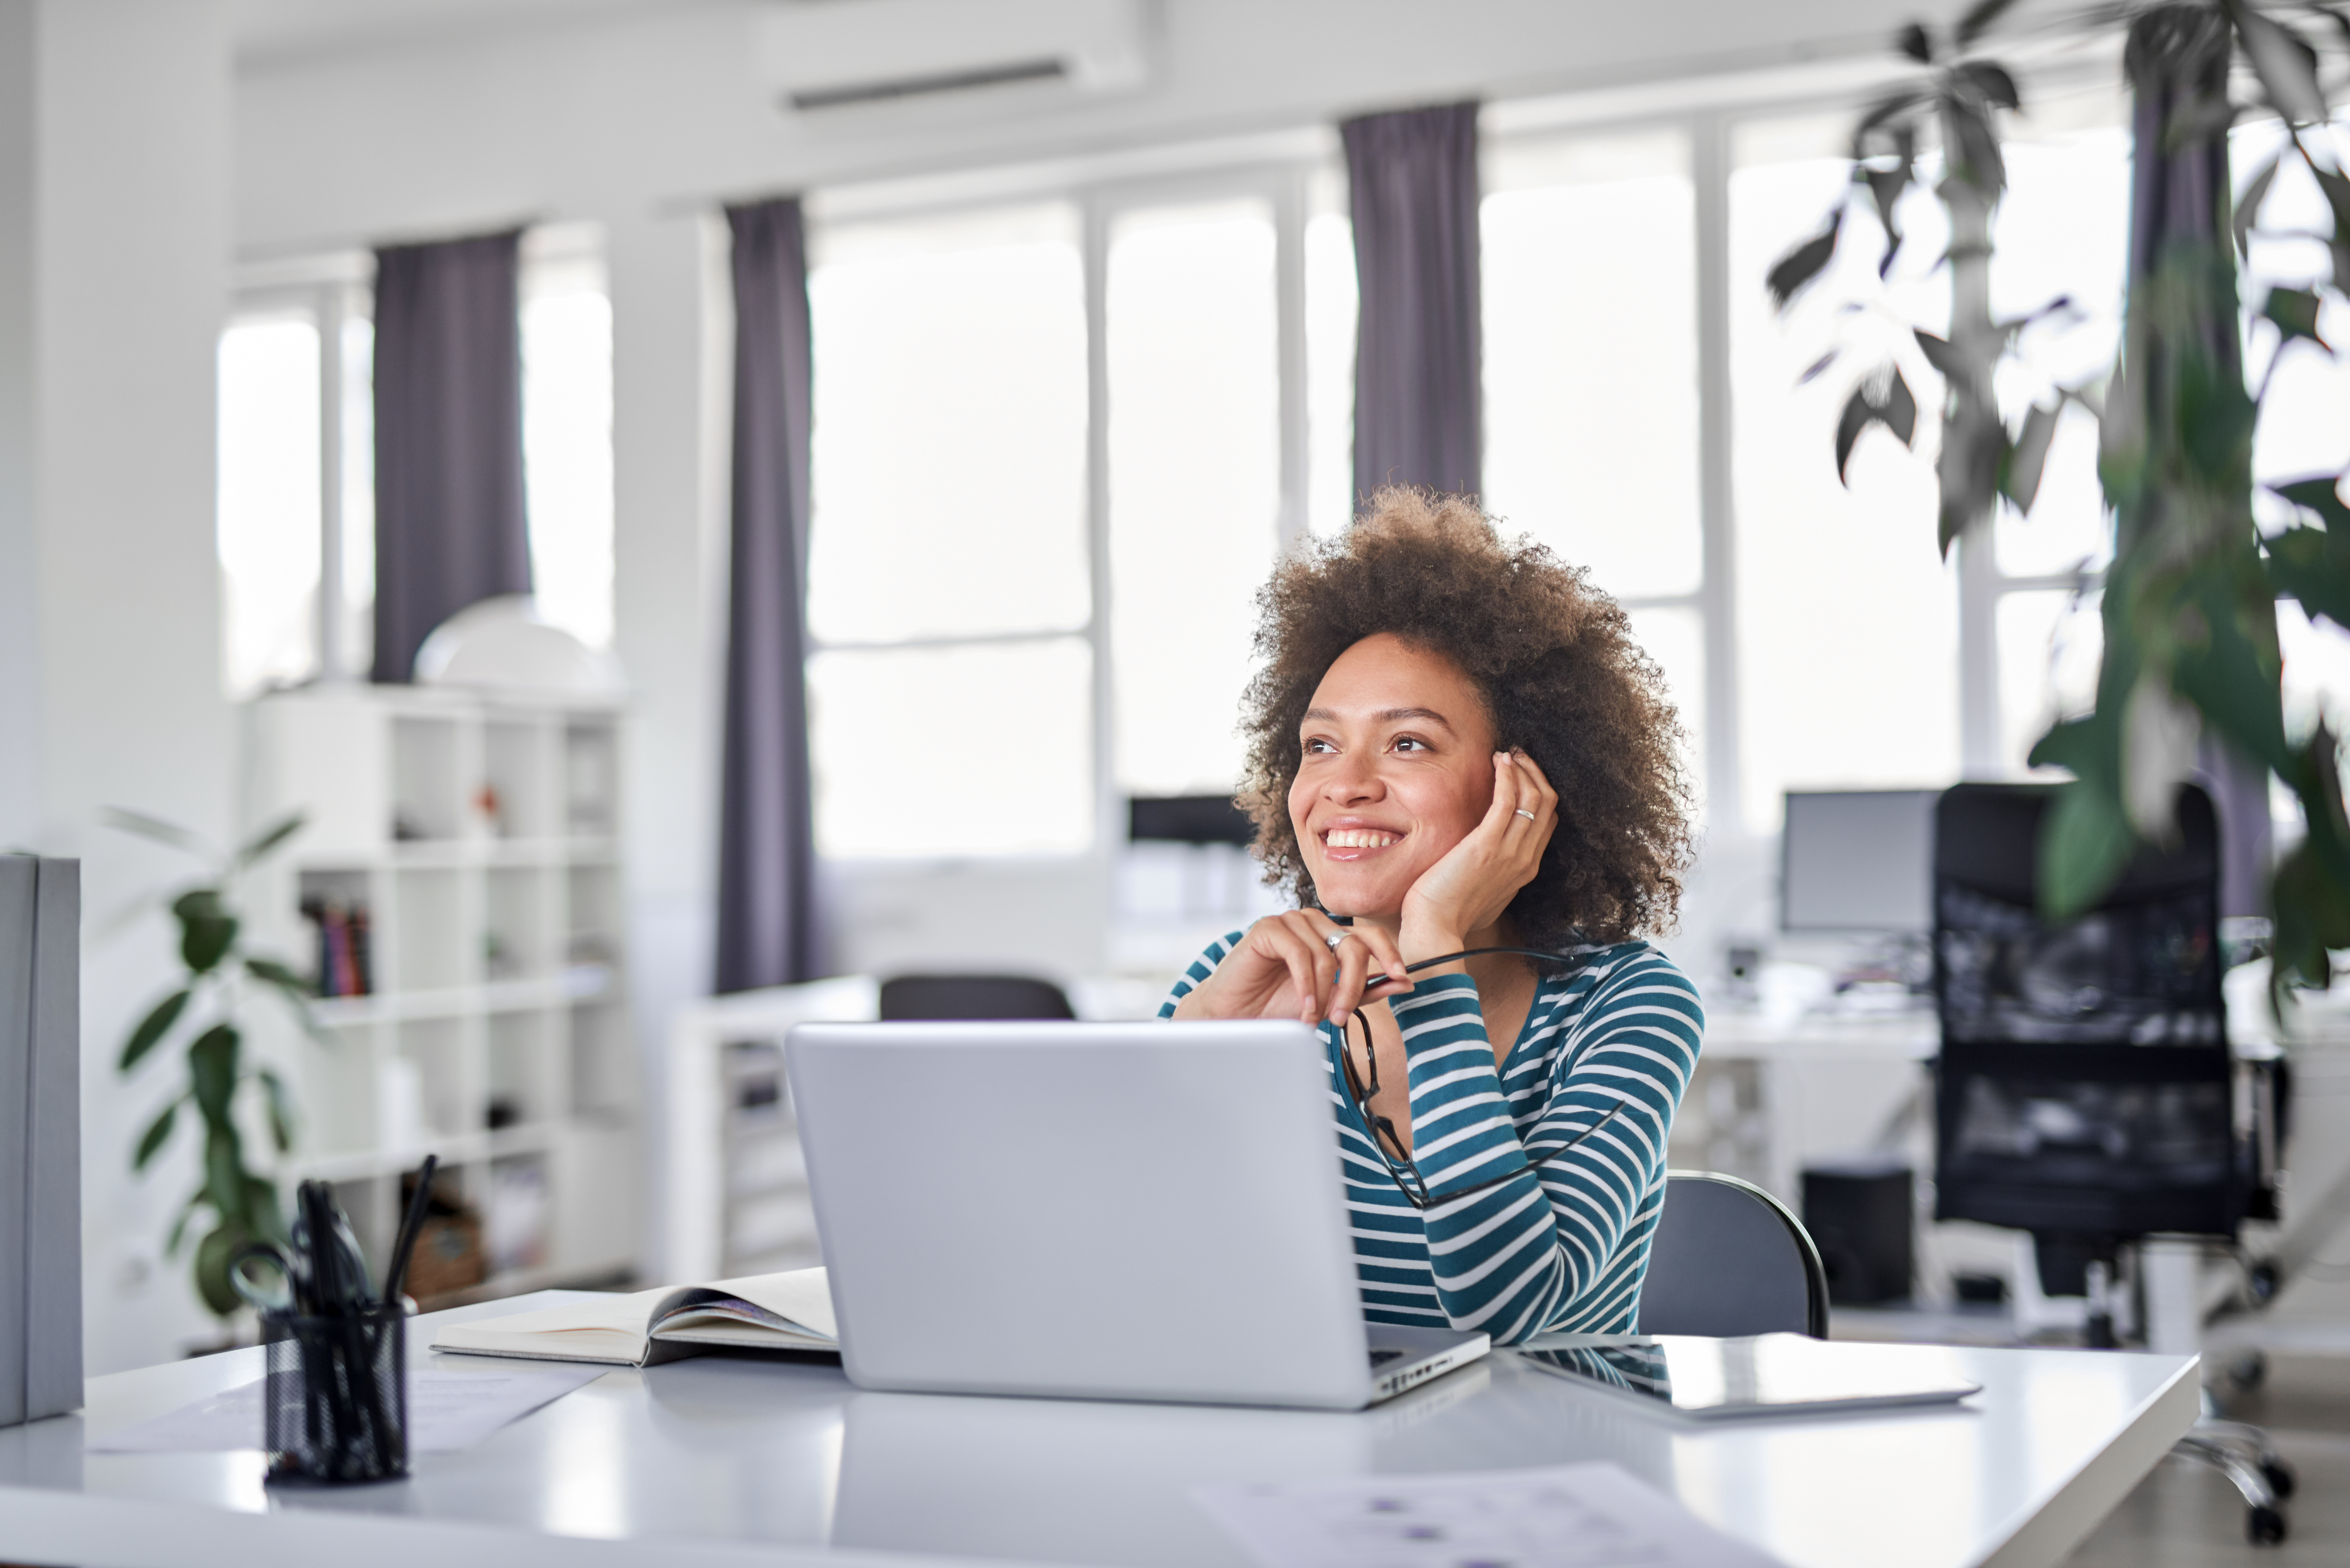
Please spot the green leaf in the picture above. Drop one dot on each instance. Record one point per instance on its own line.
(1997, 86)
(153, 1028)
(2248, 208)
(1858, 414)
(1913, 41)
(2295, 311)
(207, 930)
(212, 1071)
(1941, 354)
(158, 1132)
(1979, 18)
(270, 837)
(261, 1208)
(2312, 566)
(157, 829)
(2318, 494)
(2336, 188)
(224, 1173)
(180, 1225)
(297, 994)
(2022, 464)
(2085, 843)
(1899, 409)
(1789, 275)
(2285, 62)
(281, 1115)
(213, 1254)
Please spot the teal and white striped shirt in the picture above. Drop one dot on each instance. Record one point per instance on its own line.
(1558, 1248)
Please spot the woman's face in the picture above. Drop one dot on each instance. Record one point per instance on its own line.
(1397, 768)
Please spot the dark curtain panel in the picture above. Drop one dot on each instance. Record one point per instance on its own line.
(449, 522)
(766, 918)
(1412, 183)
(2178, 58)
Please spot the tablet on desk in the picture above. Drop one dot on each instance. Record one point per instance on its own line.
(1768, 1374)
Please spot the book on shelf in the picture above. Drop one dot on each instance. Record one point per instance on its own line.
(345, 960)
(790, 1311)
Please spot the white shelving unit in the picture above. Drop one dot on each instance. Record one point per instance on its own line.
(478, 832)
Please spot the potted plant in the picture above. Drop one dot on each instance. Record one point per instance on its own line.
(233, 1203)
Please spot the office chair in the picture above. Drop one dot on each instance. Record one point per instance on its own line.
(2086, 1090)
(1728, 1260)
(971, 996)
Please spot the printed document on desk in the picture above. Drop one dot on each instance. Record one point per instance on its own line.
(1566, 1516)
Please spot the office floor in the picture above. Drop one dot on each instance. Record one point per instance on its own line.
(2186, 1515)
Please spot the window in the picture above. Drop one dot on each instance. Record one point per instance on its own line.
(1194, 482)
(296, 463)
(1847, 619)
(1058, 447)
(1591, 377)
(949, 589)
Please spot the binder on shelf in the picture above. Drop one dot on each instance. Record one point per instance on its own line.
(40, 1123)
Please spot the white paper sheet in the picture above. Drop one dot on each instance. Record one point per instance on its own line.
(447, 1411)
(1567, 1516)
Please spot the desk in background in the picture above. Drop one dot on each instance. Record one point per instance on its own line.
(743, 1460)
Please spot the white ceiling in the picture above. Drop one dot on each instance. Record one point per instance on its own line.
(273, 30)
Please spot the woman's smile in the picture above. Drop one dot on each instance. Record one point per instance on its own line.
(1349, 842)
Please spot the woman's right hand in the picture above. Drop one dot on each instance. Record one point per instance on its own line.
(1287, 967)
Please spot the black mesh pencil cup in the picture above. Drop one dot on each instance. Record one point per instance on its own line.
(335, 1404)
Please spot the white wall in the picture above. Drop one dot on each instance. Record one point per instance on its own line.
(116, 257)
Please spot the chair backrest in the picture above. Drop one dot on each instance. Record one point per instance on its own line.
(957, 997)
(1727, 1259)
(2083, 1088)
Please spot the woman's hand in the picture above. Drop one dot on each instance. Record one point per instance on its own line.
(1468, 889)
(1287, 967)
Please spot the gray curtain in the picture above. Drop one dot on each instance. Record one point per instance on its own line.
(448, 520)
(1412, 185)
(766, 895)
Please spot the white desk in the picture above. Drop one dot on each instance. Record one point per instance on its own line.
(745, 1460)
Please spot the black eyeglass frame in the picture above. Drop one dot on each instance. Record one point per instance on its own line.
(1401, 1168)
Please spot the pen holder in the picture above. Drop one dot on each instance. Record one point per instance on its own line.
(335, 1403)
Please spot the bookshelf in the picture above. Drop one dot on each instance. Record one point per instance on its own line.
(459, 876)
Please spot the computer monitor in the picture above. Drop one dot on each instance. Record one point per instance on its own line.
(1857, 860)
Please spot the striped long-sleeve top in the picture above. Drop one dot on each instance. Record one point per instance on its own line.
(1562, 1243)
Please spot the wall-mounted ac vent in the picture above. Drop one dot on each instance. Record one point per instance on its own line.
(835, 54)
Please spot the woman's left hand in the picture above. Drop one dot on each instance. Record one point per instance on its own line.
(1468, 889)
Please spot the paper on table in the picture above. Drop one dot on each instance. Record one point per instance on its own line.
(446, 1411)
(1566, 1516)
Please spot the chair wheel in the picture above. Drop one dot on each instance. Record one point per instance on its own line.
(2264, 1526)
(2279, 1475)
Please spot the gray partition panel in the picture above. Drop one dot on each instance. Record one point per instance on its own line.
(19, 879)
(53, 1361)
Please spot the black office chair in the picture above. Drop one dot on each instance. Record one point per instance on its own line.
(971, 996)
(2085, 1089)
(1728, 1260)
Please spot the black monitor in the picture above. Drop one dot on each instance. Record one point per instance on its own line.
(1857, 861)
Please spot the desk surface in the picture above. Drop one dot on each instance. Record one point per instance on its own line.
(746, 1459)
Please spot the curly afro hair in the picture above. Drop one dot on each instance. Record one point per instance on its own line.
(1561, 677)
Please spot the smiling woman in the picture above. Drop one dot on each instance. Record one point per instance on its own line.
(1456, 748)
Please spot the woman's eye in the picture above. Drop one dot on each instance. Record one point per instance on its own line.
(1410, 743)
(1319, 745)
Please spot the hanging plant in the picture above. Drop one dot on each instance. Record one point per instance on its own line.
(2189, 601)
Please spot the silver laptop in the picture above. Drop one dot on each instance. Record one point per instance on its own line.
(1093, 1210)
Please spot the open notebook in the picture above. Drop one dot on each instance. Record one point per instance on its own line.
(768, 1311)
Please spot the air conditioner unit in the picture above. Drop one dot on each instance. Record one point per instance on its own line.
(832, 54)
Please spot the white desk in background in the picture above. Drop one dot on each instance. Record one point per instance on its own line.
(740, 1460)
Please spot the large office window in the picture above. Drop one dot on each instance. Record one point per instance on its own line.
(1591, 377)
(1194, 396)
(295, 502)
(948, 579)
(1847, 619)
